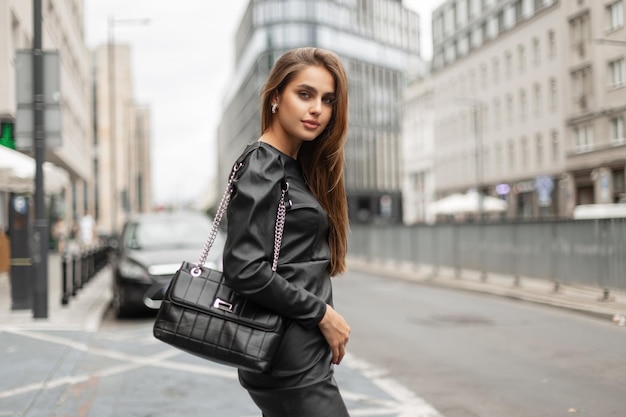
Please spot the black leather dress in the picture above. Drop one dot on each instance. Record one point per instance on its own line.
(301, 383)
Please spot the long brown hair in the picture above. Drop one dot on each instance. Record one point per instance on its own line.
(323, 159)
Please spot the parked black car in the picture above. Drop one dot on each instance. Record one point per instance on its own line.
(150, 250)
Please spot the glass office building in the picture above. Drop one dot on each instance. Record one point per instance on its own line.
(378, 41)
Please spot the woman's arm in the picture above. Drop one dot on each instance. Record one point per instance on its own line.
(248, 252)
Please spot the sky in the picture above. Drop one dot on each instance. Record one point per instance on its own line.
(182, 59)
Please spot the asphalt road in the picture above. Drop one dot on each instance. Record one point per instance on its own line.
(476, 355)
(414, 351)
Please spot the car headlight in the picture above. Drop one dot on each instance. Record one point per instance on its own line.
(132, 270)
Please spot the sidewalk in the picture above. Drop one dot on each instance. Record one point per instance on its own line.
(56, 363)
(579, 298)
(84, 311)
(70, 365)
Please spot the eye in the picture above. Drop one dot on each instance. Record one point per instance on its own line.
(329, 100)
(304, 94)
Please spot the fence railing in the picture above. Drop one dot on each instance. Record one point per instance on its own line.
(588, 252)
(77, 268)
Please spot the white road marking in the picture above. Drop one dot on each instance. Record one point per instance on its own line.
(412, 405)
(401, 402)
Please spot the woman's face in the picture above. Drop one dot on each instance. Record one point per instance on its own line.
(306, 105)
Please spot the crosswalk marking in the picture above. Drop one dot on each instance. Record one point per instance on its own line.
(397, 400)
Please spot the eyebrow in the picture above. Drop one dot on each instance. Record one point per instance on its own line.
(308, 87)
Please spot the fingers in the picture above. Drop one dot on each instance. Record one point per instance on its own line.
(337, 333)
(339, 351)
(339, 354)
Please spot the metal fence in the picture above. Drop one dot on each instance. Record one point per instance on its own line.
(588, 252)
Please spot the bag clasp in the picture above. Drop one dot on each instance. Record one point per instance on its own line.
(223, 305)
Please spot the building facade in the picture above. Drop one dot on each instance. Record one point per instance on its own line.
(122, 139)
(63, 31)
(418, 152)
(595, 101)
(529, 101)
(378, 41)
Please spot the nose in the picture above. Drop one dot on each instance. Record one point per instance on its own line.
(316, 107)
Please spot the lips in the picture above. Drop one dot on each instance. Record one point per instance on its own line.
(311, 124)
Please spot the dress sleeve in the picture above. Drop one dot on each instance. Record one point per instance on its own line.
(248, 252)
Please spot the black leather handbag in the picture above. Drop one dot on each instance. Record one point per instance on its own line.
(201, 315)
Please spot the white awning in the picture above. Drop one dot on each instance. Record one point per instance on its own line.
(17, 173)
(470, 202)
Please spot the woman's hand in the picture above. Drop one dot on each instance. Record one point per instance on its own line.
(336, 332)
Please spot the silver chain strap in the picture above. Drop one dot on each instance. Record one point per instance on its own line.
(221, 209)
(280, 224)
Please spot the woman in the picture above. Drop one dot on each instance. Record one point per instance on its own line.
(304, 126)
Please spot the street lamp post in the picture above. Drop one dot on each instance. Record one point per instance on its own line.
(41, 232)
(477, 111)
(476, 106)
(112, 24)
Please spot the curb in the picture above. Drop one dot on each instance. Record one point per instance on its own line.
(583, 299)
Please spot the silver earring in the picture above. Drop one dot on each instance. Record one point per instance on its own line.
(274, 108)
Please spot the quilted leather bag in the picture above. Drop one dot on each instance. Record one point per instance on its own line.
(201, 315)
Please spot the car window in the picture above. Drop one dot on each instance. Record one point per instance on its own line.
(156, 233)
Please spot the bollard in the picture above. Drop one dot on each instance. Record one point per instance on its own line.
(92, 263)
(77, 274)
(83, 268)
(606, 295)
(73, 261)
(64, 290)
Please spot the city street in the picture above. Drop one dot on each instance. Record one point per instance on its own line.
(123, 371)
(415, 351)
(477, 355)
(463, 160)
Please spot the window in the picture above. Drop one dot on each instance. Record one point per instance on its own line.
(580, 32)
(450, 52)
(556, 148)
(522, 106)
(501, 22)
(536, 52)
(525, 153)
(615, 15)
(511, 155)
(508, 65)
(551, 44)
(474, 8)
(498, 158)
(497, 117)
(496, 70)
(472, 80)
(437, 27)
(463, 11)
(509, 109)
(518, 10)
(581, 85)
(583, 136)
(521, 58)
(484, 109)
(553, 94)
(616, 73)
(485, 163)
(539, 149)
(483, 76)
(484, 32)
(537, 104)
(448, 21)
(617, 130)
